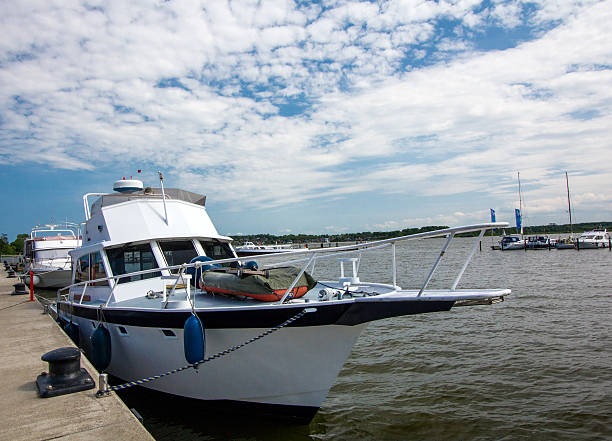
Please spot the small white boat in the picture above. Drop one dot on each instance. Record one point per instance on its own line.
(250, 249)
(46, 255)
(153, 263)
(598, 238)
(511, 242)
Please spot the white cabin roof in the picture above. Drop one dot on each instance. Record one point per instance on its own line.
(140, 216)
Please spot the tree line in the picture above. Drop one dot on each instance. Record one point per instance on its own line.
(14, 247)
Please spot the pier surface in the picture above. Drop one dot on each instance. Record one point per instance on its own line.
(26, 333)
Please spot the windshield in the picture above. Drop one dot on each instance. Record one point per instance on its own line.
(178, 252)
(132, 258)
(217, 250)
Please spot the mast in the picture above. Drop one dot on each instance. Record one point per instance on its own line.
(569, 205)
(520, 201)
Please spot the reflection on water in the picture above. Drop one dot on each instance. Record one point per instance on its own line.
(538, 366)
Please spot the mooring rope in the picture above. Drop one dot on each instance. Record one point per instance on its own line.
(205, 360)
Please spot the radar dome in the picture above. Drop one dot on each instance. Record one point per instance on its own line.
(127, 185)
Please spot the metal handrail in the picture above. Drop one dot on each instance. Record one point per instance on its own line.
(311, 256)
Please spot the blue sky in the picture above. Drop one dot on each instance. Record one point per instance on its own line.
(314, 117)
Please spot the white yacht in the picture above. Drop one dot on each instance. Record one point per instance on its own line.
(152, 263)
(46, 255)
(511, 242)
(597, 238)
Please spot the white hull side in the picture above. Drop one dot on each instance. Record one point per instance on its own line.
(513, 246)
(49, 279)
(295, 366)
(592, 245)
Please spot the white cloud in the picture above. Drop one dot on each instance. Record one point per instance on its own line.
(79, 89)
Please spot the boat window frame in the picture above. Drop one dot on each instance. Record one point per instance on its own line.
(154, 259)
(165, 262)
(217, 242)
(79, 269)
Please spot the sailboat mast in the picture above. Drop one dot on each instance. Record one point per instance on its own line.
(520, 201)
(569, 205)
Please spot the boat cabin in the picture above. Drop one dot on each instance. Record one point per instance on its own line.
(142, 230)
(48, 246)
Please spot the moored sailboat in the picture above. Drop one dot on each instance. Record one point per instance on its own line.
(514, 241)
(567, 243)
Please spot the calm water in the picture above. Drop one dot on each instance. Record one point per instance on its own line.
(538, 366)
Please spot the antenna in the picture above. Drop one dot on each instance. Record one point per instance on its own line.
(161, 181)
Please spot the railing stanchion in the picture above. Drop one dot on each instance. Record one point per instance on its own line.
(433, 269)
(467, 261)
(394, 266)
(296, 279)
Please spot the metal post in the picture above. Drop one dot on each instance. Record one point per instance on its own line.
(433, 269)
(161, 182)
(467, 261)
(31, 286)
(102, 385)
(394, 266)
(296, 280)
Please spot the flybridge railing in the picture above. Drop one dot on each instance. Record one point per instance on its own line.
(312, 255)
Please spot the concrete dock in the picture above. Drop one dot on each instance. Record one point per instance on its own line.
(26, 333)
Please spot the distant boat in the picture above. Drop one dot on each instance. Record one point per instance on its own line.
(537, 242)
(598, 238)
(511, 242)
(46, 255)
(567, 243)
(250, 249)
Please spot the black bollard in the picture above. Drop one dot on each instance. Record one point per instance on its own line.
(65, 374)
(19, 288)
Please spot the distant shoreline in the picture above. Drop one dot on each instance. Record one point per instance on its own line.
(366, 236)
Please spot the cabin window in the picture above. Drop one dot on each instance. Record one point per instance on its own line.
(216, 250)
(52, 254)
(90, 267)
(132, 258)
(177, 252)
(28, 249)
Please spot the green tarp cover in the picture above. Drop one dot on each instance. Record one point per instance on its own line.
(279, 278)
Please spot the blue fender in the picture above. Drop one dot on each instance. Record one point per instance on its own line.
(100, 348)
(194, 339)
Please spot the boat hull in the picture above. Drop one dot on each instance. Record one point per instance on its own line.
(293, 368)
(565, 246)
(592, 245)
(49, 278)
(513, 246)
